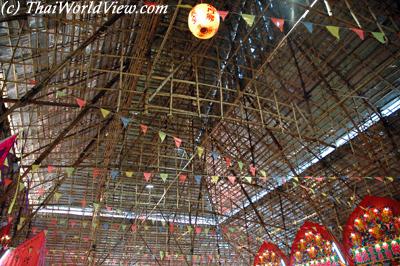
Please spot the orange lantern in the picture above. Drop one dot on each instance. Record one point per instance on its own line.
(359, 224)
(312, 252)
(298, 256)
(387, 215)
(204, 21)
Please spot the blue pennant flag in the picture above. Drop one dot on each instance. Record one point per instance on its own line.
(125, 121)
(309, 26)
(114, 174)
(198, 179)
(105, 226)
(215, 155)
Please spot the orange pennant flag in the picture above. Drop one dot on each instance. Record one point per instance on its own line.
(178, 142)
(143, 128)
(278, 22)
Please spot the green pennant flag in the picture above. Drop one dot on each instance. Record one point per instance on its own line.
(69, 171)
(263, 173)
(380, 36)
(214, 179)
(200, 151)
(189, 229)
(21, 186)
(96, 206)
(249, 19)
(334, 31)
(162, 135)
(185, 6)
(206, 231)
(60, 94)
(104, 112)
(162, 254)
(248, 179)
(84, 224)
(240, 165)
(164, 177)
(123, 227)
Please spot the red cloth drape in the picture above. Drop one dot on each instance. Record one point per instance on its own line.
(30, 253)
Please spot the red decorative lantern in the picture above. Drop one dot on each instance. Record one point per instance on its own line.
(204, 21)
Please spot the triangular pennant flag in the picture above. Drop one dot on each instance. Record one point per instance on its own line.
(83, 203)
(50, 169)
(249, 19)
(143, 128)
(379, 36)
(198, 179)
(359, 32)
(198, 230)
(164, 177)
(104, 112)
(240, 165)
(69, 171)
(123, 227)
(80, 102)
(129, 174)
(84, 224)
(171, 228)
(214, 155)
(391, 179)
(7, 181)
(125, 121)
(279, 23)
(147, 176)
(334, 31)
(162, 255)
(309, 26)
(96, 172)
(263, 173)
(200, 151)
(162, 135)
(114, 174)
(232, 179)
(252, 170)
(214, 179)
(5, 146)
(185, 6)
(223, 14)
(35, 167)
(248, 179)
(178, 142)
(60, 94)
(57, 196)
(228, 162)
(182, 178)
(133, 228)
(189, 228)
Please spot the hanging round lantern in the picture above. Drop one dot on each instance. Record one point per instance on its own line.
(204, 21)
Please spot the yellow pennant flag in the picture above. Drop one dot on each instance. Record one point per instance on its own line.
(129, 174)
(200, 151)
(334, 31)
(57, 196)
(104, 112)
(214, 179)
(249, 19)
(35, 167)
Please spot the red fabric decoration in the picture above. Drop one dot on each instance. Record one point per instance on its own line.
(5, 147)
(270, 247)
(30, 253)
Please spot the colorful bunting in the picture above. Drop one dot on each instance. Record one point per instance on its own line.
(248, 179)
(69, 171)
(214, 155)
(240, 163)
(80, 102)
(104, 112)
(162, 135)
(214, 179)
(249, 19)
(309, 26)
(178, 142)
(252, 170)
(182, 178)
(125, 121)
(164, 177)
(129, 174)
(223, 14)
(50, 169)
(35, 167)
(114, 174)
(380, 36)
(198, 179)
(147, 176)
(228, 162)
(143, 128)
(232, 179)
(334, 31)
(279, 23)
(200, 151)
(359, 32)
(7, 182)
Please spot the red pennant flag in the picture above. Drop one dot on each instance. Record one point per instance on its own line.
(198, 230)
(147, 176)
(83, 203)
(232, 179)
(5, 147)
(133, 228)
(9, 219)
(109, 208)
(182, 178)
(50, 168)
(143, 128)
(80, 102)
(96, 172)
(252, 170)
(228, 162)
(278, 23)
(379, 178)
(178, 142)
(171, 228)
(359, 32)
(7, 182)
(223, 14)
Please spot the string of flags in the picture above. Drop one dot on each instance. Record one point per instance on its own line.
(280, 22)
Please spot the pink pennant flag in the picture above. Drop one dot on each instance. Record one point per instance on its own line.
(232, 179)
(198, 230)
(182, 178)
(50, 169)
(147, 176)
(143, 128)
(278, 23)
(133, 228)
(319, 179)
(53, 221)
(252, 170)
(178, 142)
(359, 32)
(109, 208)
(80, 102)
(228, 162)
(223, 14)
(379, 178)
